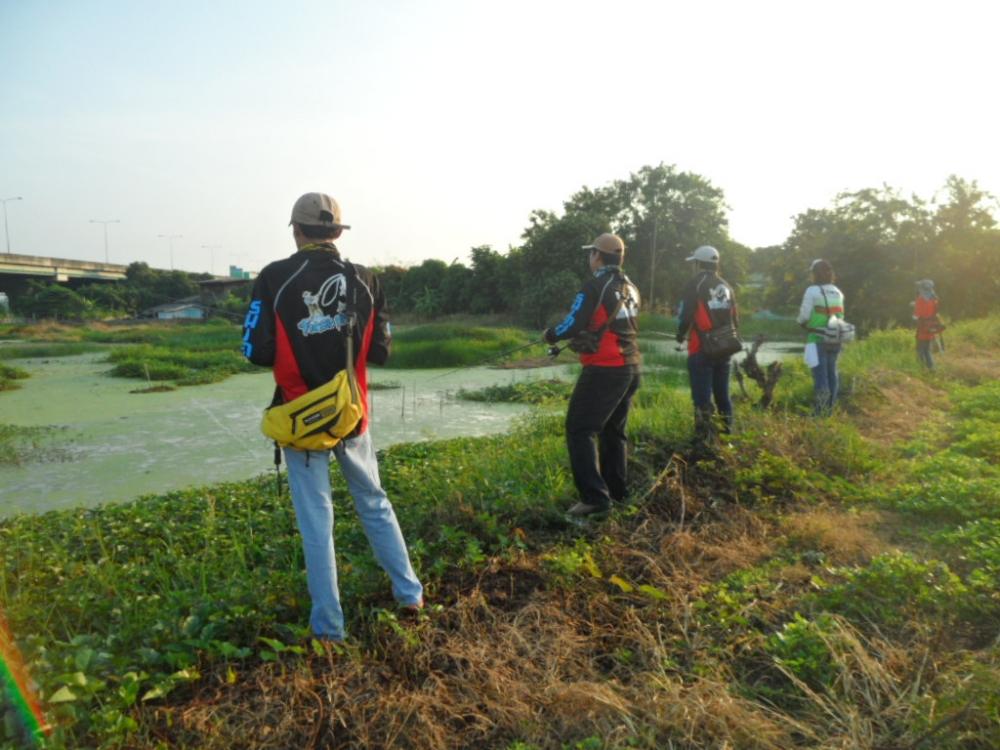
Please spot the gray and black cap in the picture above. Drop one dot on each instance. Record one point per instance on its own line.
(317, 210)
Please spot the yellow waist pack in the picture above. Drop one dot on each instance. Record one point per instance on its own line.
(319, 419)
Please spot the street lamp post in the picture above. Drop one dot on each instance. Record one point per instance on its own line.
(211, 256)
(170, 238)
(105, 223)
(5, 231)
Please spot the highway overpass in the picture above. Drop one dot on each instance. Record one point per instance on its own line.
(58, 269)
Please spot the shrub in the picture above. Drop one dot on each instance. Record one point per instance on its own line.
(441, 345)
(802, 647)
(895, 589)
(526, 392)
(8, 375)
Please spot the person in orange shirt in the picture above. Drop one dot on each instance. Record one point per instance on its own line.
(925, 312)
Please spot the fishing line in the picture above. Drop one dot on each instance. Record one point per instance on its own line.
(225, 429)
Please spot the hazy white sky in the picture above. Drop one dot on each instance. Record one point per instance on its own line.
(441, 125)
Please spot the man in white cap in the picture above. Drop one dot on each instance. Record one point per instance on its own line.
(305, 312)
(602, 326)
(707, 304)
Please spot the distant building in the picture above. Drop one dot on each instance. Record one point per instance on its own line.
(235, 272)
(186, 309)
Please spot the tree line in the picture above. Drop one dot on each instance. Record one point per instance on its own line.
(143, 287)
(659, 207)
(878, 241)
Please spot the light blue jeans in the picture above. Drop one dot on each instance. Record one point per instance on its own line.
(309, 481)
(826, 380)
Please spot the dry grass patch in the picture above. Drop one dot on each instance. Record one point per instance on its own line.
(896, 406)
(844, 537)
(475, 677)
(511, 659)
(48, 331)
(972, 369)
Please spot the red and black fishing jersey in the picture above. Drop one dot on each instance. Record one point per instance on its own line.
(596, 301)
(301, 313)
(706, 303)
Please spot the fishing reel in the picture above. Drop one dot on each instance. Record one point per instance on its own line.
(555, 350)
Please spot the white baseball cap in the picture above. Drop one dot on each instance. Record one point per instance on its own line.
(705, 254)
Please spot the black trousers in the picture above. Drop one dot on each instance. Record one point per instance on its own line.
(599, 409)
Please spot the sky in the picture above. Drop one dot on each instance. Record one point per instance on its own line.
(439, 126)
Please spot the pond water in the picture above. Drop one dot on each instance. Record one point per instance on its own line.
(111, 445)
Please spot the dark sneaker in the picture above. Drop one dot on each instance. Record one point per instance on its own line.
(583, 509)
(411, 610)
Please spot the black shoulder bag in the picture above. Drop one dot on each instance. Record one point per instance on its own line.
(588, 342)
(721, 342)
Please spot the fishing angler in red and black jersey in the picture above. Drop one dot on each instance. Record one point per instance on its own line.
(602, 326)
(709, 319)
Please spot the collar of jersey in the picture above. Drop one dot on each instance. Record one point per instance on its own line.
(319, 246)
(606, 269)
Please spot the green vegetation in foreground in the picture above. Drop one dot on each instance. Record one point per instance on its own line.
(817, 583)
(525, 392)
(447, 345)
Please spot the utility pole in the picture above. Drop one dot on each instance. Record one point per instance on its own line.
(211, 256)
(5, 230)
(652, 259)
(170, 238)
(105, 223)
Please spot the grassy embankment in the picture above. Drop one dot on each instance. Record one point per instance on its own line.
(819, 583)
(197, 353)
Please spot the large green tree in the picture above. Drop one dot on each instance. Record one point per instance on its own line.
(49, 300)
(964, 258)
(880, 243)
(661, 213)
(153, 287)
(664, 214)
(871, 238)
(551, 264)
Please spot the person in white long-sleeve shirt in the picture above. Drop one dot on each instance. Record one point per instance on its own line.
(821, 302)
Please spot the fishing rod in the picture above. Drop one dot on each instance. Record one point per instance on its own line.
(669, 335)
(555, 350)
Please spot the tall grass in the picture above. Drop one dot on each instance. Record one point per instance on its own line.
(186, 367)
(211, 335)
(47, 350)
(9, 375)
(448, 345)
